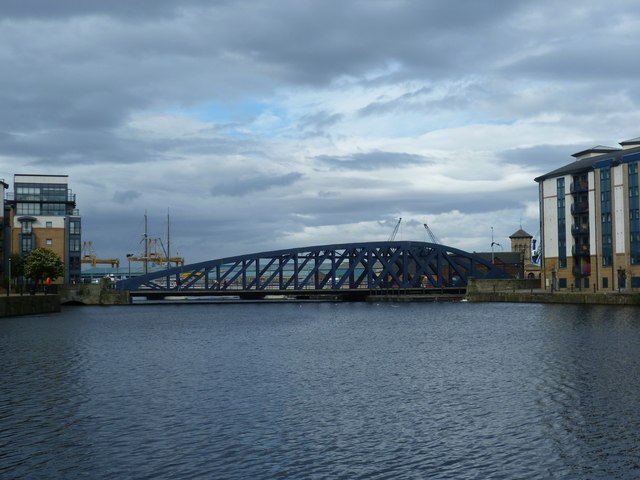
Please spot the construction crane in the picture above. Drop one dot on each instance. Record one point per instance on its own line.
(392, 237)
(432, 236)
(89, 256)
(152, 253)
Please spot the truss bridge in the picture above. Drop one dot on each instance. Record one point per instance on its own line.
(351, 271)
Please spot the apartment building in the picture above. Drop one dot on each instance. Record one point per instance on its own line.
(590, 220)
(42, 213)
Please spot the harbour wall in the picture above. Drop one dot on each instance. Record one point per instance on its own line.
(512, 291)
(93, 294)
(18, 305)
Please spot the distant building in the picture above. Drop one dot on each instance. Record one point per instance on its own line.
(521, 243)
(590, 220)
(42, 213)
(5, 232)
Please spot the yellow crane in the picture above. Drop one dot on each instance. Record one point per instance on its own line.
(154, 255)
(89, 256)
(151, 252)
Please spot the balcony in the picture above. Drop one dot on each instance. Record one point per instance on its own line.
(582, 270)
(581, 251)
(580, 229)
(577, 187)
(579, 207)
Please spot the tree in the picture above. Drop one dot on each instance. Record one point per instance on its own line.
(41, 263)
(17, 266)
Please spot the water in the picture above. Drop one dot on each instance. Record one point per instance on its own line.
(352, 391)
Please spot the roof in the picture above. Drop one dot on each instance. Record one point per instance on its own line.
(587, 164)
(521, 234)
(597, 149)
(633, 141)
(501, 257)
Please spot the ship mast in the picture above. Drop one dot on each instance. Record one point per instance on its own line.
(168, 240)
(146, 245)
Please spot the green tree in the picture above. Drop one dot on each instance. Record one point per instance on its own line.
(41, 263)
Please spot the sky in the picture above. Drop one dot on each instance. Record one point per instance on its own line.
(262, 125)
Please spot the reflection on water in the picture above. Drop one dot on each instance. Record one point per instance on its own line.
(322, 391)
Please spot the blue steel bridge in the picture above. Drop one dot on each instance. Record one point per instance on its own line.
(349, 271)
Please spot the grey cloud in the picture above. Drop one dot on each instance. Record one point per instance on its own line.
(75, 72)
(372, 160)
(318, 122)
(247, 184)
(126, 196)
(543, 157)
(73, 8)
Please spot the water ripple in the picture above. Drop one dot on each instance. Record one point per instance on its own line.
(321, 391)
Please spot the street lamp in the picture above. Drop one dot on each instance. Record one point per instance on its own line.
(492, 245)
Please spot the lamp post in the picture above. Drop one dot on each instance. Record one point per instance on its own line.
(492, 245)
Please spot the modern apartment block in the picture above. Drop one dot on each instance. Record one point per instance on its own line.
(590, 220)
(42, 213)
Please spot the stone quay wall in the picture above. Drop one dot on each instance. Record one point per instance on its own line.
(18, 305)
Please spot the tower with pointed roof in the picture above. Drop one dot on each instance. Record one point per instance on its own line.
(521, 243)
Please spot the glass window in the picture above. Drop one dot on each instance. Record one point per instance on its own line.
(74, 245)
(74, 227)
(49, 242)
(49, 224)
(26, 244)
(28, 209)
(27, 227)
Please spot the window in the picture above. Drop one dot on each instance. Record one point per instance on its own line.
(74, 245)
(49, 225)
(74, 227)
(26, 244)
(28, 209)
(27, 228)
(49, 242)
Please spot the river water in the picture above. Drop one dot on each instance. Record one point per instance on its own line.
(322, 390)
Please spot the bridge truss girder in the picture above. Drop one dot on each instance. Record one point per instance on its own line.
(373, 265)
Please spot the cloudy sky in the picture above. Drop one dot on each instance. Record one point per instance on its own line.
(286, 123)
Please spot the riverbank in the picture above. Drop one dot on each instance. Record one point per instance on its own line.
(19, 305)
(612, 298)
(511, 291)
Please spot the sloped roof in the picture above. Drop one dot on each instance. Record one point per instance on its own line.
(520, 234)
(596, 149)
(633, 141)
(587, 164)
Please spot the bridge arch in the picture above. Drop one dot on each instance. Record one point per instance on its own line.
(370, 265)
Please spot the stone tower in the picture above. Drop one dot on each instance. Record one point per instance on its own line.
(521, 242)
